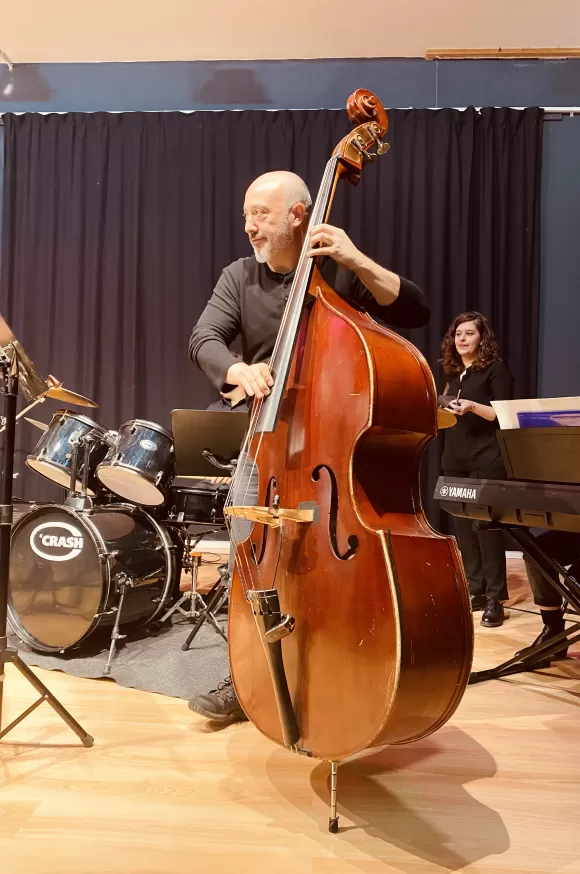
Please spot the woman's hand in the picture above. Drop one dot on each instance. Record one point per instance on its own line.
(461, 407)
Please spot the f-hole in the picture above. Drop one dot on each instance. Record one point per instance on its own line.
(272, 486)
(333, 516)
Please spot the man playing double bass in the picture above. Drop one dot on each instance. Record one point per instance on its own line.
(249, 300)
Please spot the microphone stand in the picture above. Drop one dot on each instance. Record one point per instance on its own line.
(9, 379)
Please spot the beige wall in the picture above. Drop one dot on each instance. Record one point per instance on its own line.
(152, 30)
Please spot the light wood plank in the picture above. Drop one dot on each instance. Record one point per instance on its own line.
(162, 791)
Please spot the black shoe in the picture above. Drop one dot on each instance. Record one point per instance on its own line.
(220, 705)
(547, 632)
(493, 615)
(478, 602)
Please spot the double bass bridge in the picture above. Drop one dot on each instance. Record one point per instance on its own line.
(305, 512)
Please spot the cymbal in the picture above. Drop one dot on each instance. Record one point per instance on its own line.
(37, 424)
(445, 418)
(69, 397)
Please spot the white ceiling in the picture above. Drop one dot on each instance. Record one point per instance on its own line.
(171, 30)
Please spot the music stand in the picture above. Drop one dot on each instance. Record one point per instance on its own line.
(202, 435)
(203, 441)
(16, 369)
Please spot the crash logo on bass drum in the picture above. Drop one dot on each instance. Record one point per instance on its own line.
(57, 541)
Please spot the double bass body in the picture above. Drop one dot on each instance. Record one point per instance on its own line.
(382, 643)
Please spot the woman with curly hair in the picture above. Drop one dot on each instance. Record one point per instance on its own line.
(476, 375)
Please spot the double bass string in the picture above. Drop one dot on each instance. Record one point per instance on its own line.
(296, 298)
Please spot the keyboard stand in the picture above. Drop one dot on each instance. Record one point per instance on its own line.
(537, 656)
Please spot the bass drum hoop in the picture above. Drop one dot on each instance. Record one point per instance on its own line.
(101, 548)
(99, 542)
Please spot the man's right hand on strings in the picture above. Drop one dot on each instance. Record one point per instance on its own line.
(255, 379)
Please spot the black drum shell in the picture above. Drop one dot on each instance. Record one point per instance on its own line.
(55, 604)
(197, 504)
(52, 455)
(139, 466)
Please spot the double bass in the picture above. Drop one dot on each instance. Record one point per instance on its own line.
(350, 624)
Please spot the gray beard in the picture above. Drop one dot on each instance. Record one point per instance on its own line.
(280, 241)
(263, 256)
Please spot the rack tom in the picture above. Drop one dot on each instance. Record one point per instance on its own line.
(52, 455)
(139, 465)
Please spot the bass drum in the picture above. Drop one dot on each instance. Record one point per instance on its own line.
(64, 569)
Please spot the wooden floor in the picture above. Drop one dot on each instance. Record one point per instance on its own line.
(498, 789)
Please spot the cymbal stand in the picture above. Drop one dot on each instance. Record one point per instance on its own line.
(9, 655)
(21, 413)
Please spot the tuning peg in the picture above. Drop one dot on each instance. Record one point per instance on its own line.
(359, 146)
(382, 148)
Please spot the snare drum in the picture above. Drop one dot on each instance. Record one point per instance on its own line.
(202, 505)
(139, 465)
(52, 455)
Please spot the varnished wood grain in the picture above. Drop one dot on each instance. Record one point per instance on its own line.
(496, 790)
(382, 648)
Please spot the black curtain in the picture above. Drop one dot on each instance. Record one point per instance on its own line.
(116, 228)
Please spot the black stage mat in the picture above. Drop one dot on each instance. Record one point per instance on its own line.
(153, 662)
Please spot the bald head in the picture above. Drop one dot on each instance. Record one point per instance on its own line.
(276, 209)
(289, 187)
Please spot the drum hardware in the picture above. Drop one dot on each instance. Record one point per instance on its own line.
(52, 388)
(191, 563)
(200, 609)
(195, 431)
(18, 371)
(214, 601)
(80, 501)
(122, 582)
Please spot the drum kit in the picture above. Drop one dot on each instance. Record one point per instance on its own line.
(110, 556)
